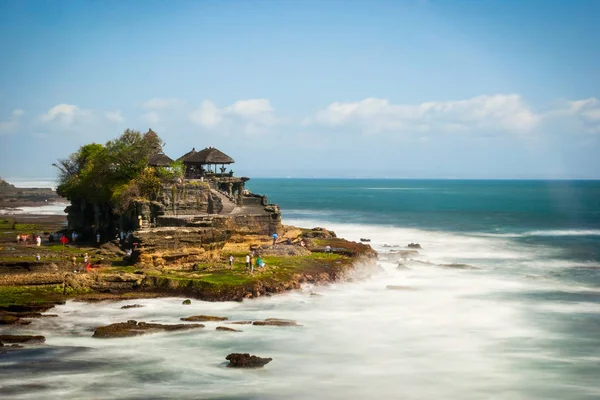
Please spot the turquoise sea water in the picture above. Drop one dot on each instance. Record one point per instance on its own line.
(523, 323)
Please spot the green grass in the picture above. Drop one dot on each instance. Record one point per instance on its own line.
(19, 295)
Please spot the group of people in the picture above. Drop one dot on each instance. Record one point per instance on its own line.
(251, 262)
(87, 262)
(26, 238)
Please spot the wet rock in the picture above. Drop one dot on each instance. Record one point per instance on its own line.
(399, 287)
(131, 306)
(402, 266)
(245, 360)
(26, 339)
(315, 294)
(365, 239)
(401, 254)
(203, 318)
(276, 322)
(240, 322)
(134, 328)
(8, 319)
(458, 266)
(186, 302)
(414, 246)
(226, 329)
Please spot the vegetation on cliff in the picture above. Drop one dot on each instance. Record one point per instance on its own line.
(111, 177)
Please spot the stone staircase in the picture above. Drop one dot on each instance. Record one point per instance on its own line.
(228, 204)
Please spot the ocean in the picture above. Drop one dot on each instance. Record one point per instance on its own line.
(522, 323)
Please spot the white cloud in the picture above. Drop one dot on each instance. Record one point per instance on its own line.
(207, 115)
(253, 115)
(114, 116)
(66, 115)
(159, 103)
(585, 113)
(481, 113)
(12, 124)
(151, 117)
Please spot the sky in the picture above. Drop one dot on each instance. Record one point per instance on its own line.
(455, 89)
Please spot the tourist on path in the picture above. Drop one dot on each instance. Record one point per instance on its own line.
(275, 236)
(98, 238)
(247, 260)
(38, 241)
(231, 261)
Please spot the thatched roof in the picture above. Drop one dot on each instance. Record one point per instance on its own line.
(188, 154)
(209, 155)
(160, 160)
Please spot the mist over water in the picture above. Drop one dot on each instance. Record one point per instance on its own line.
(523, 325)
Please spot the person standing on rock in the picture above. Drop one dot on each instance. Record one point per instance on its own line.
(248, 261)
(251, 263)
(38, 240)
(231, 261)
(275, 236)
(98, 237)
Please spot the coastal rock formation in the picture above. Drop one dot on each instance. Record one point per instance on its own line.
(399, 287)
(276, 322)
(132, 306)
(11, 196)
(245, 360)
(203, 318)
(134, 328)
(22, 339)
(458, 266)
(186, 302)
(414, 246)
(226, 329)
(319, 233)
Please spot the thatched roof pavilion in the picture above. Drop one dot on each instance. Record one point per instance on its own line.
(209, 155)
(198, 162)
(160, 160)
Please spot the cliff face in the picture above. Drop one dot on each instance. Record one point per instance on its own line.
(187, 198)
(11, 196)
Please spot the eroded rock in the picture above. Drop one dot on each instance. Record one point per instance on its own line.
(399, 287)
(203, 318)
(134, 328)
(245, 360)
(226, 329)
(186, 302)
(276, 322)
(131, 306)
(23, 339)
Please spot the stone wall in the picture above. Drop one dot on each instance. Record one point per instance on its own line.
(187, 198)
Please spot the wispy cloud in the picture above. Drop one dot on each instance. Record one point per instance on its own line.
(12, 123)
(480, 114)
(254, 116)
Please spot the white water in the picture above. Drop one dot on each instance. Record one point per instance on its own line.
(460, 334)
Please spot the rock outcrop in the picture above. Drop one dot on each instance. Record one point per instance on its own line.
(276, 322)
(245, 360)
(134, 328)
(203, 318)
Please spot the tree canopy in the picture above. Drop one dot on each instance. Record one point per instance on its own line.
(115, 173)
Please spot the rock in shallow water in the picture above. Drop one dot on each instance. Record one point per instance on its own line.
(399, 287)
(226, 329)
(186, 302)
(245, 360)
(134, 328)
(203, 318)
(132, 306)
(276, 322)
(29, 339)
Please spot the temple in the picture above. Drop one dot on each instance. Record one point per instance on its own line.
(209, 195)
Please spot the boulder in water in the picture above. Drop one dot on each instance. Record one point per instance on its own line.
(203, 318)
(276, 322)
(414, 246)
(186, 302)
(458, 266)
(28, 339)
(132, 306)
(399, 287)
(245, 360)
(226, 329)
(134, 328)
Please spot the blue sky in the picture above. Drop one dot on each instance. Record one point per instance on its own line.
(399, 89)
